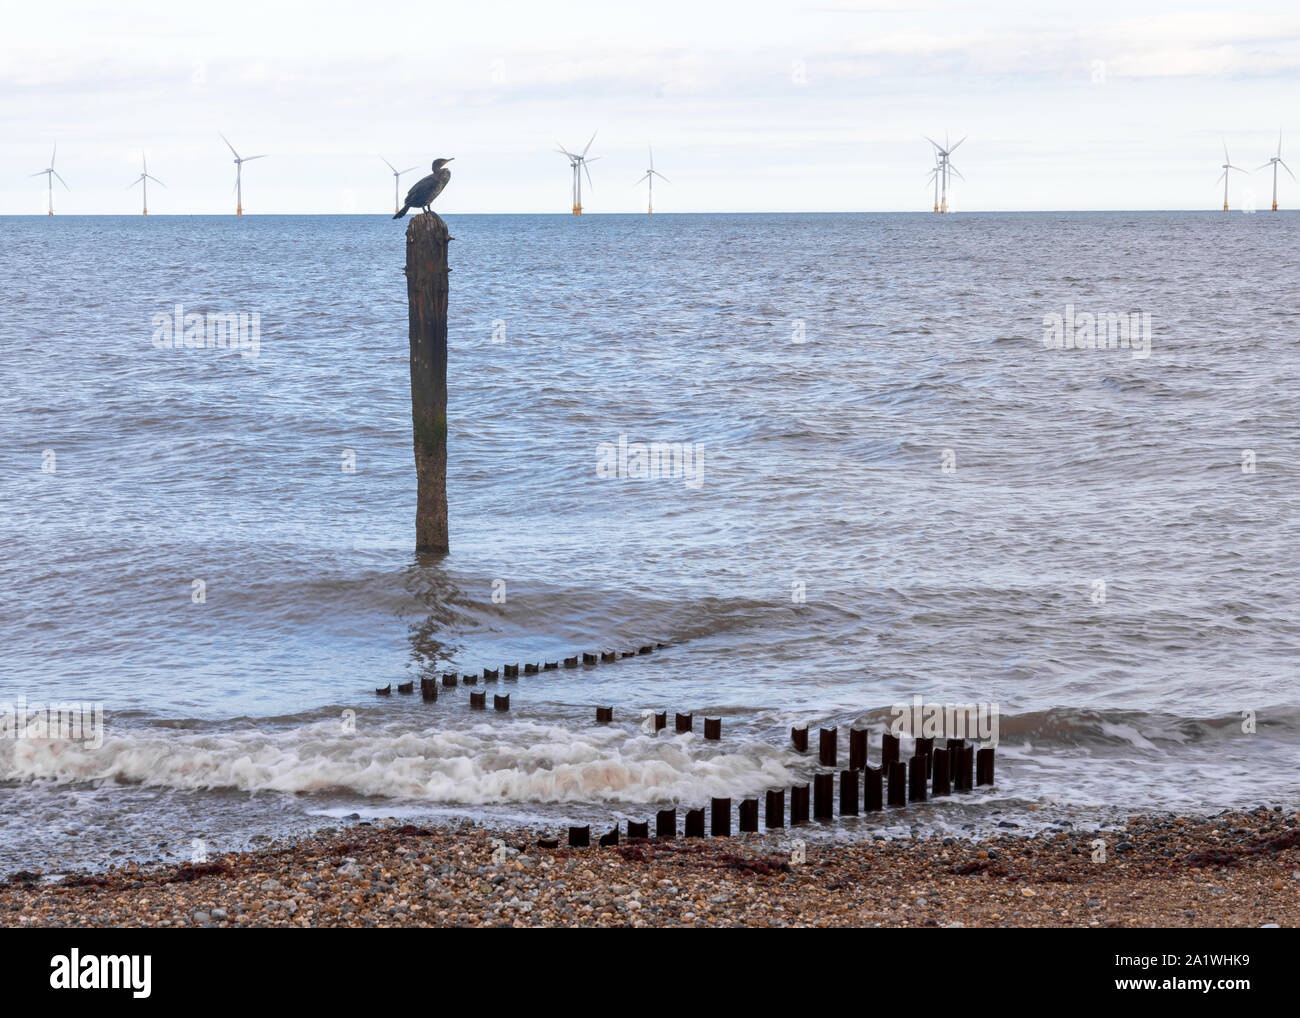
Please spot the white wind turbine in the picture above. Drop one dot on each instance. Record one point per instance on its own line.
(579, 165)
(1275, 162)
(143, 181)
(50, 174)
(397, 176)
(1227, 165)
(239, 177)
(649, 177)
(943, 154)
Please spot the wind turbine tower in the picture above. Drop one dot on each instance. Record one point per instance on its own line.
(578, 163)
(143, 181)
(239, 176)
(397, 176)
(50, 175)
(649, 178)
(943, 154)
(1275, 162)
(1227, 165)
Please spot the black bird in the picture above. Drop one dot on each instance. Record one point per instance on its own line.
(424, 190)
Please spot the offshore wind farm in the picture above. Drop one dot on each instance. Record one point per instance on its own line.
(939, 178)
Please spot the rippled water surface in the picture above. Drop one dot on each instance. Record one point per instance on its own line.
(823, 471)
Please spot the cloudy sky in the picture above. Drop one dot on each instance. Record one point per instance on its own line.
(764, 105)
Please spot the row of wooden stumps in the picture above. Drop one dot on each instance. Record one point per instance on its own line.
(931, 772)
(682, 723)
(429, 686)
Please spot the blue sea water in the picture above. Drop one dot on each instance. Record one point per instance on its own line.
(901, 492)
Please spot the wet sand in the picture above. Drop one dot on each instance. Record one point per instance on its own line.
(1234, 869)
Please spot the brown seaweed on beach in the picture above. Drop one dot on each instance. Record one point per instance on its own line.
(197, 870)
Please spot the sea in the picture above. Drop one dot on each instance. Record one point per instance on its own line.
(834, 469)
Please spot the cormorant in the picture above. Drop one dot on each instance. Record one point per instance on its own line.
(424, 190)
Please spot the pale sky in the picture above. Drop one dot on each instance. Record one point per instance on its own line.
(760, 105)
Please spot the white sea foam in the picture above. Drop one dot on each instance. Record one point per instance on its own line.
(486, 763)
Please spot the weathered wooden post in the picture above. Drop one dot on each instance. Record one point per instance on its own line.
(695, 823)
(824, 796)
(873, 788)
(774, 808)
(827, 742)
(426, 295)
(720, 818)
(848, 793)
(666, 823)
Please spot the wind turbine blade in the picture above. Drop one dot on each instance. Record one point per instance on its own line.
(155, 179)
(593, 138)
(1279, 143)
(38, 173)
(133, 183)
(937, 146)
(1286, 167)
(388, 164)
(1264, 166)
(1226, 157)
(652, 156)
(228, 145)
(639, 179)
(407, 170)
(593, 159)
(53, 152)
(954, 148)
(955, 170)
(661, 176)
(1220, 177)
(251, 158)
(588, 172)
(65, 183)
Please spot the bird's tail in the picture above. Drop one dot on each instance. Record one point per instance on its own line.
(401, 212)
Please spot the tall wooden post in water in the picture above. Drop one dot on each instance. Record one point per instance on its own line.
(426, 293)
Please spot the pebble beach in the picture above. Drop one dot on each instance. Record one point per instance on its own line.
(1236, 869)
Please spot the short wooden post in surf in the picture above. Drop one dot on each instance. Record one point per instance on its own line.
(897, 787)
(720, 818)
(695, 823)
(798, 805)
(774, 808)
(941, 783)
(873, 788)
(748, 816)
(857, 748)
(426, 295)
(888, 751)
(848, 793)
(827, 741)
(823, 796)
(666, 823)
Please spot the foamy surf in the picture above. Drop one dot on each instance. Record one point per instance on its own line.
(484, 763)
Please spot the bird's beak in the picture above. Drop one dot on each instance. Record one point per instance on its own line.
(452, 159)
